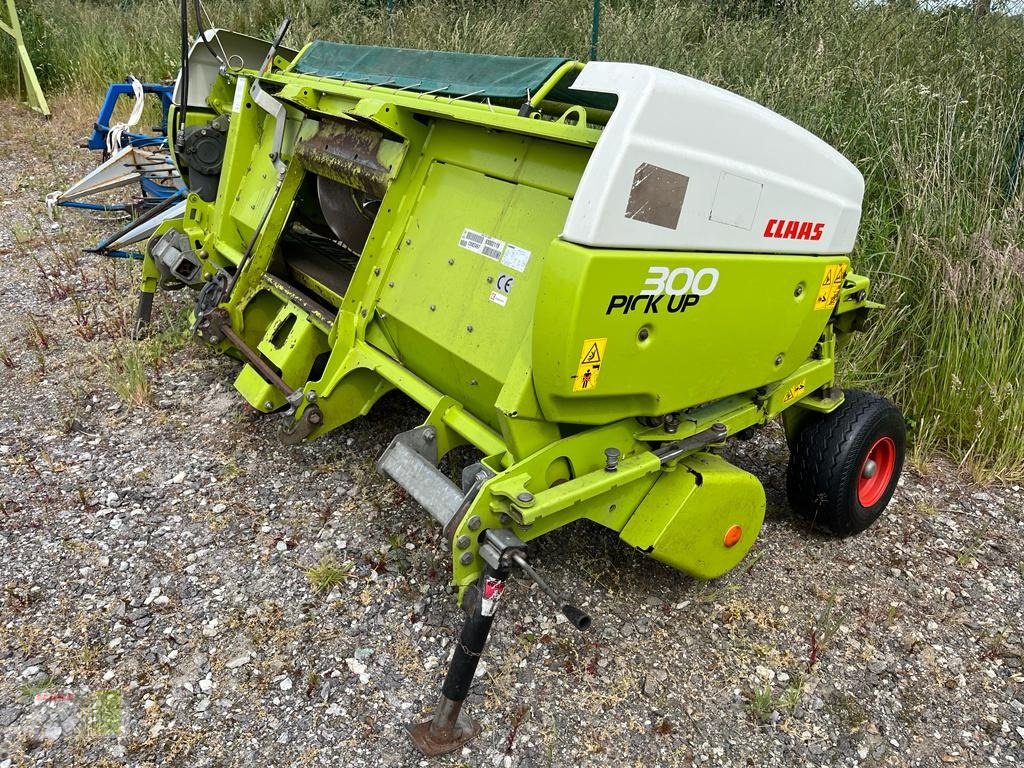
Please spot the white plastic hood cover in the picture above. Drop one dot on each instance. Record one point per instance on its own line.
(683, 165)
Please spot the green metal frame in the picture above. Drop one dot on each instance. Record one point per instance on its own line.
(27, 84)
(416, 315)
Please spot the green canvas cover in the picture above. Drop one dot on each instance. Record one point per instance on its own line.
(451, 74)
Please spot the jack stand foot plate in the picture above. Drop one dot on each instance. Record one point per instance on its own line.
(440, 741)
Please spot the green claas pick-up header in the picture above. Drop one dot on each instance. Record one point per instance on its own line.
(592, 274)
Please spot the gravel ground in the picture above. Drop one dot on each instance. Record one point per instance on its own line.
(155, 543)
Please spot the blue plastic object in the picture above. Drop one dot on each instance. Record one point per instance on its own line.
(98, 140)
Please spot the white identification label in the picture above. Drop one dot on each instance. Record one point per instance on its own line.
(478, 242)
(241, 86)
(516, 258)
(499, 298)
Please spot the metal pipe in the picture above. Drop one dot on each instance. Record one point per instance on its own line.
(473, 637)
(553, 80)
(252, 358)
(578, 618)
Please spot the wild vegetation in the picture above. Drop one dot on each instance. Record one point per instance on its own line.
(928, 104)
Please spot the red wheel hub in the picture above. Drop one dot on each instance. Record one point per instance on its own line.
(876, 471)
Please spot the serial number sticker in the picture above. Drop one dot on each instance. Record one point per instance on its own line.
(589, 368)
(499, 298)
(794, 391)
(516, 258)
(831, 283)
(478, 242)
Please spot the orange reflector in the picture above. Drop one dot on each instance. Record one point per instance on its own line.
(733, 535)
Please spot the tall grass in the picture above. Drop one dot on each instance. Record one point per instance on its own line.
(927, 105)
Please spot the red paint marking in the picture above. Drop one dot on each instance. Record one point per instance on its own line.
(493, 588)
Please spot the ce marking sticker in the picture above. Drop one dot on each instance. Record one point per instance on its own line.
(503, 287)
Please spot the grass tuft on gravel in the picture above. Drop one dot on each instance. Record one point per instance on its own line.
(761, 704)
(130, 364)
(128, 372)
(328, 573)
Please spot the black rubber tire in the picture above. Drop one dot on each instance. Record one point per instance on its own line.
(826, 456)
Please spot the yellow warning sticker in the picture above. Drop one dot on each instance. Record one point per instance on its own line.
(794, 391)
(828, 293)
(589, 368)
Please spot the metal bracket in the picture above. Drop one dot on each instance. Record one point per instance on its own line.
(294, 434)
(473, 478)
(215, 327)
(275, 109)
(411, 461)
(674, 450)
(213, 292)
(501, 547)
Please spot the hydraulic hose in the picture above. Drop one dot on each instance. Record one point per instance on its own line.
(197, 8)
(183, 79)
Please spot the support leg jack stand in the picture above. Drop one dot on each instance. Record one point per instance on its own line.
(144, 309)
(143, 315)
(450, 728)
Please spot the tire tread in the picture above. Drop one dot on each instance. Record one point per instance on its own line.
(815, 476)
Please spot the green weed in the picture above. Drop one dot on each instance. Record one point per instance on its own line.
(761, 704)
(127, 372)
(129, 364)
(328, 573)
(824, 630)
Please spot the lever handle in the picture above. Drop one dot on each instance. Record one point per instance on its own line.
(579, 619)
(576, 617)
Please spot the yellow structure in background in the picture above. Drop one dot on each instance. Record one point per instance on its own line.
(28, 89)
